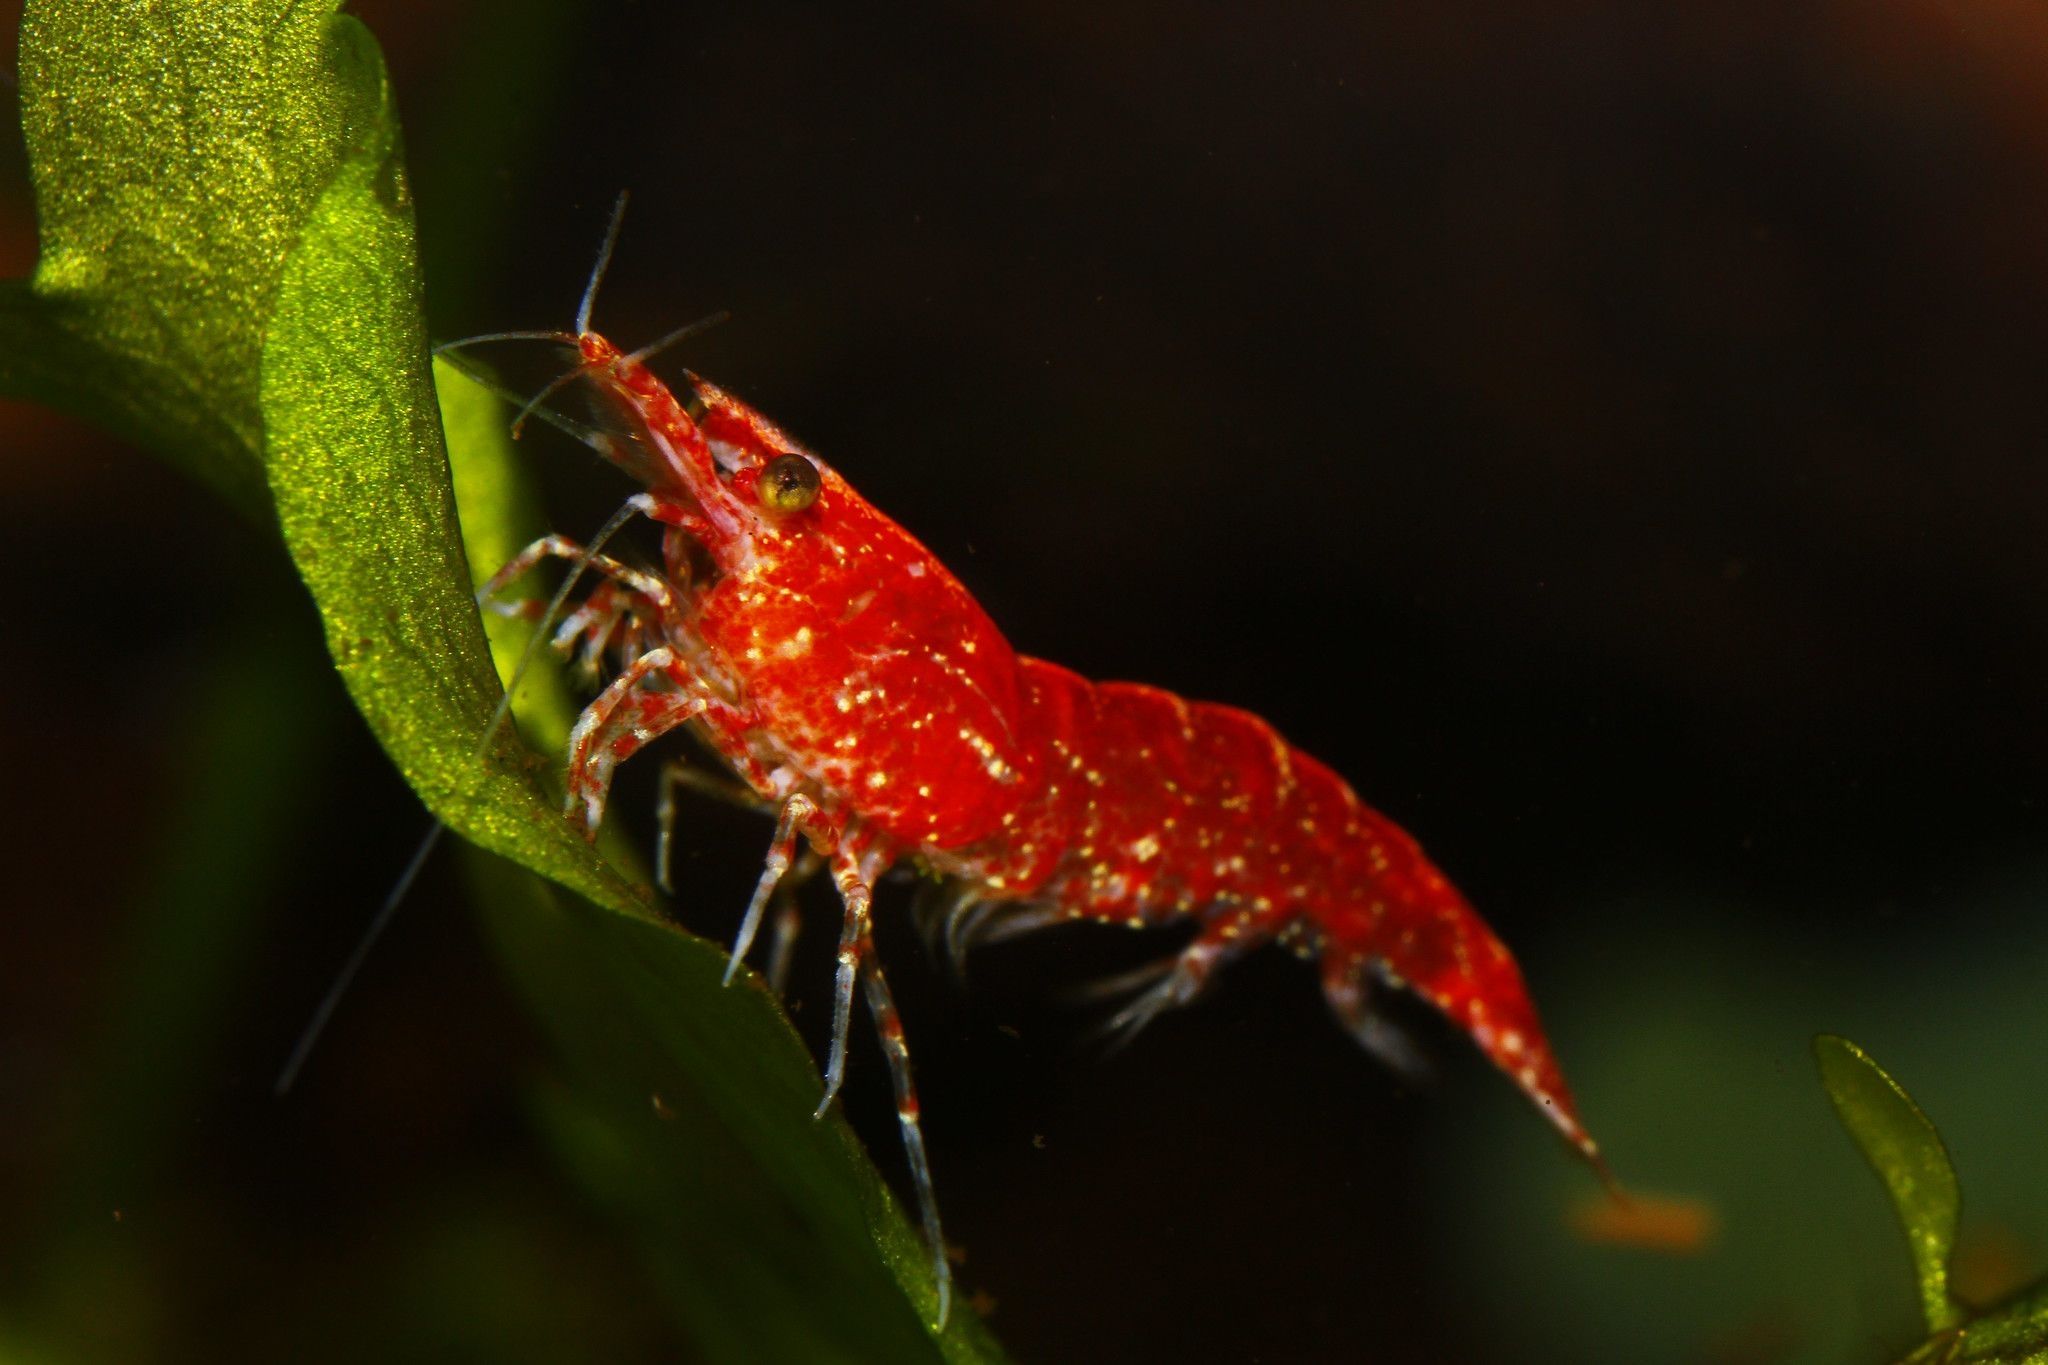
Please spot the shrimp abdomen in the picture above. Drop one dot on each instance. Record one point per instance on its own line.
(1159, 807)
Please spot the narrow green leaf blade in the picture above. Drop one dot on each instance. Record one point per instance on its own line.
(1902, 1146)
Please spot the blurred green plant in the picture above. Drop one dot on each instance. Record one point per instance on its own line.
(1908, 1155)
(228, 276)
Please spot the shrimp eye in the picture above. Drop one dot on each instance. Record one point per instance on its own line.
(789, 483)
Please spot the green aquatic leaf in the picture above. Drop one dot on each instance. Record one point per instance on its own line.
(175, 150)
(229, 276)
(1902, 1146)
(760, 1234)
(2015, 1333)
(361, 487)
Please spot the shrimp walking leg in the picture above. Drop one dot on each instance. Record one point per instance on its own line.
(882, 1006)
(655, 590)
(788, 920)
(612, 621)
(798, 814)
(624, 719)
(620, 613)
(780, 877)
(855, 865)
(676, 776)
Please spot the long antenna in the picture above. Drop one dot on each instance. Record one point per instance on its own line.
(604, 258)
(581, 432)
(448, 347)
(309, 1036)
(533, 404)
(682, 333)
(317, 1025)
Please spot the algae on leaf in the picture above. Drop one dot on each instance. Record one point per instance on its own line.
(360, 482)
(175, 150)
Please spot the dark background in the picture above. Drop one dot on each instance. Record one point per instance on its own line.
(1609, 435)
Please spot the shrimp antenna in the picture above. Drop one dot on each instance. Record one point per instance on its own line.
(448, 348)
(343, 979)
(604, 258)
(568, 426)
(533, 404)
(562, 381)
(583, 310)
(310, 1036)
(682, 333)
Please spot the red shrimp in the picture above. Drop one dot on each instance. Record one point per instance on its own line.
(858, 690)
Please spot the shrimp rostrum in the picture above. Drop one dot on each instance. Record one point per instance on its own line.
(860, 693)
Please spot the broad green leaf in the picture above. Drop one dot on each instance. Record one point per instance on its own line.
(361, 488)
(679, 1126)
(1902, 1146)
(175, 151)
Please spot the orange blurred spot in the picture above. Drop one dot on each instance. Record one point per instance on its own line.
(1989, 1264)
(1663, 1223)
